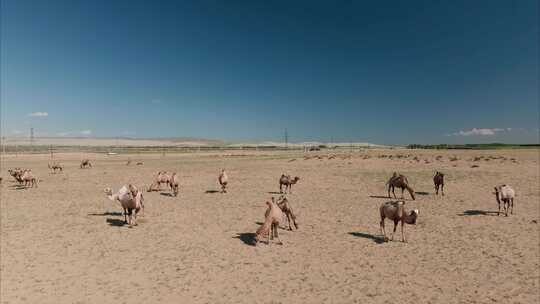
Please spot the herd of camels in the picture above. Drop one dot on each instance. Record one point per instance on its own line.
(132, 201)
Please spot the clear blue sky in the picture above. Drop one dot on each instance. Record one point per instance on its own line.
(378, 71)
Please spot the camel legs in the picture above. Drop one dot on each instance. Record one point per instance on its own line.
(125, 216)
(402, 190)
(280, 188)
(499, 211)
(393, 188)
(383, 231)
(442, 189)
(512, 201)
(394, 231)
(402, 234)
(436, 189)
(275, 228)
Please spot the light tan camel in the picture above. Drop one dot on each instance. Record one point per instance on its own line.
(505, 194)
(55, 166)
(399, 181)
(131, 200)
(285, 180)
(395, 211)
(85, 163)
(29, 179)
(272, 218)
(174, 183)
(161, 178)
(223, 179)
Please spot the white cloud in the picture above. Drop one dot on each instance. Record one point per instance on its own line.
(86, 132)
(479, 132)
(38, 114)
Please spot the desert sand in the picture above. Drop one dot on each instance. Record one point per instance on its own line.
(64, 242)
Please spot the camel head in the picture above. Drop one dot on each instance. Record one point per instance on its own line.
(414, 214)
(296, 179)
(107, 191)
(498, 193)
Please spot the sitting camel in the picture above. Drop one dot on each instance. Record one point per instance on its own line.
(285, 180)
(131, 200)
(438, 181)
(272, 218)
(223, 179)
(395, 211)
(399, 181)
(85, 163)
(55, 166)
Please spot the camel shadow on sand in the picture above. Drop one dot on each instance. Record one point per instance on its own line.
(275, 192)
(376, 239)
(421, 193)
(479, 212)
(116, 222)
(166, 194)
(106, 214)
(211, 191)
(247, 238)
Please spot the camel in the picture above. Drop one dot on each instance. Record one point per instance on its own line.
(438, 180)
(16, 174)
(85, 163)
(272, 218)
(161, 178)
(505, 194)
(285, 180)
(395, 211)
(128, 162)
(29, 179)
(399, 181)
(223, 179)
(286, 208)
(55, 166)
(139, 164)
(131, 200)
(174, 183)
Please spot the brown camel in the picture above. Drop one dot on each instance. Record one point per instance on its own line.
(399, 181)
(395, 211)
(285, 206)
(17, 174)
(85, 163)
(55, 166)
(438, 181)
(285, 180)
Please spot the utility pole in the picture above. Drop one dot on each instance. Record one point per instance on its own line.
(31, 136)
(286, 139)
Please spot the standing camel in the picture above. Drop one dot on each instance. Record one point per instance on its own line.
(505, 194)
(438, 181)
(395, 211)
(223, 179)
(131, 200)
(285, 180)
(272, 219)
(29, 179)
(285, 206)
(161, 178)
(85, 163)
(399, 181)
(174, 183)
(55, 166)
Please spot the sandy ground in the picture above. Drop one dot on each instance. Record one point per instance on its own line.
(64, 242)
